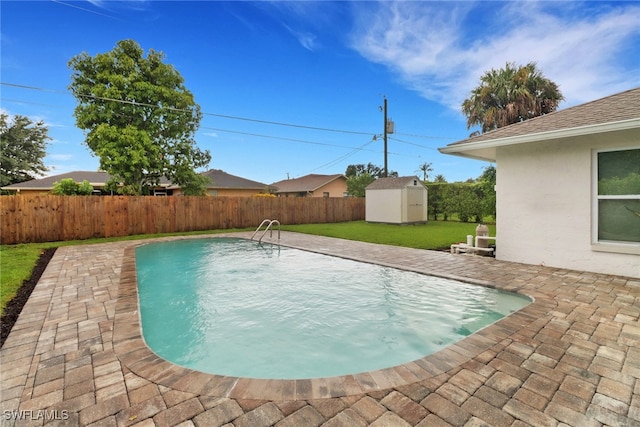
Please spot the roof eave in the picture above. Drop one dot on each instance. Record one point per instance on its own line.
(338, 176)
(466, 149)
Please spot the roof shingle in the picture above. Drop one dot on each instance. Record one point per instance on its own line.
(392, 183)
(305, 183)
(222, 179)
(46, 183)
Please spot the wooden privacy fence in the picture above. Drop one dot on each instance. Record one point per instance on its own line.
(28, 219)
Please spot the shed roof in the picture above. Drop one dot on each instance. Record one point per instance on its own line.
(391, 183)
(305, 183)
(616, 112)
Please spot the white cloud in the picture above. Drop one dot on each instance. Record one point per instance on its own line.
(306, 39)
(442, 49)
(60, 157)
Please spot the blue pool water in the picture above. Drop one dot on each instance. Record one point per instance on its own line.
(233, 307)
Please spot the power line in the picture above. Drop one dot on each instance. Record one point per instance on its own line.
(361, 148)
(225, 116)
(343, 157)
(328, 164)
(286, 124)
(413, 143)
(278, 137)
(223, 130)
(32, 88)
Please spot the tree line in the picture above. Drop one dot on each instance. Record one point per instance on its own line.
(471, 201)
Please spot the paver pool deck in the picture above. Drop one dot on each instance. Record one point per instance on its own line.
(571, 358)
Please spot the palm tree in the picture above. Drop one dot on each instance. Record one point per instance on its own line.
(426, 168)
(510, 95)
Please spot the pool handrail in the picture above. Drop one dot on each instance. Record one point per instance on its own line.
(269, 223)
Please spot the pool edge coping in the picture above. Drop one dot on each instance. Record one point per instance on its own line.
(133, 352)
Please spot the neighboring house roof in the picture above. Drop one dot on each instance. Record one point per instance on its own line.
(46, 183)
(221, 179)
(392, 183)
(305, 183)
(612, 113)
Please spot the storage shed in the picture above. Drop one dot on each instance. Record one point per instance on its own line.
(396, 200)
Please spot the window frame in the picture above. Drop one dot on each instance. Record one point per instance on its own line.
(608, 245)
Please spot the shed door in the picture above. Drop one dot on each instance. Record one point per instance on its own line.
(415, 202)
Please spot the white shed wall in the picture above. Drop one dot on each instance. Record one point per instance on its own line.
(544, 201)
(384, 206)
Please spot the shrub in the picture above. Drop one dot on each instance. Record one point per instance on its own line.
(68, 187)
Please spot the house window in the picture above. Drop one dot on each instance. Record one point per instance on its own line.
(617, 199)
(325, 194)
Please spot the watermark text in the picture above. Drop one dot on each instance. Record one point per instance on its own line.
(40, 414)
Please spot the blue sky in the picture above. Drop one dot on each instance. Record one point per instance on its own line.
(257, 68)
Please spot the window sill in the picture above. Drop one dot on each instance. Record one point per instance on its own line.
(615, 247)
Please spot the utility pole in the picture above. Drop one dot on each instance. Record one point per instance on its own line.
(386, 170)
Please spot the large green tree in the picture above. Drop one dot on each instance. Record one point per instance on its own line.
(23, 146)
(139, 118)
(510, 95)
(360, 176)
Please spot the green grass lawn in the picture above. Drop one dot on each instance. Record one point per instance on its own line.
(17, 261)
(433, 235)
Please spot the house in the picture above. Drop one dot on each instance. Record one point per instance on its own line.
(223, 184)
(396, 200)
(313, 186)
(568, 186)
(44, 185)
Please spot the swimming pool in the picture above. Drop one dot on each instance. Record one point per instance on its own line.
(231, 307)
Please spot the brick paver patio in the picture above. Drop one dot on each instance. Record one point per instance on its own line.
(571, 358)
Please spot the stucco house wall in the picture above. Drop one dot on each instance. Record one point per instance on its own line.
(544, 194)
(548, 202)
(32, 193)
(336, 188)
(312, 185)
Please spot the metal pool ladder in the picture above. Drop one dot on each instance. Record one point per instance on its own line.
(269, 227)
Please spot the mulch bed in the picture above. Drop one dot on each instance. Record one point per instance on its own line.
(14, 307)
